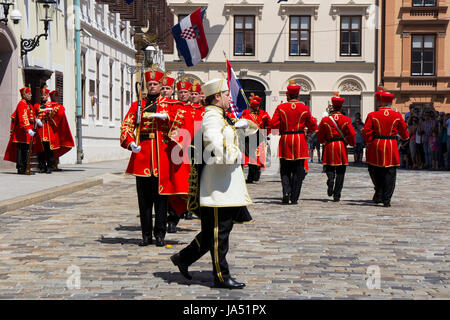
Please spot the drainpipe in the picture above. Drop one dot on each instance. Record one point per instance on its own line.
(80, 154)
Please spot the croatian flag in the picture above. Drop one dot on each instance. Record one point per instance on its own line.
(190, 38)
(238, 99)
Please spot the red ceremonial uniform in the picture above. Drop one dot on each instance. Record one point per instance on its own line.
(262, 120)
(335, 150)
(154, 158)
(49, 118)
(380, 132)
(291, 119)
(22, 120)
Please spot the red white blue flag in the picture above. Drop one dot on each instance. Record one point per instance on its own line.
(190, 38)
(238, 99)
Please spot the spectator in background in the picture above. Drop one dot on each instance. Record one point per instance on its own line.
(447, 126)
(434, 144)
(314, 145)
(359, 139)
(413, 123)
(442, 137)
(403, 148)
(427, 128)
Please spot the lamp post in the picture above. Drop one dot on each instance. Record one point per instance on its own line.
(46, 11)
(15, 15)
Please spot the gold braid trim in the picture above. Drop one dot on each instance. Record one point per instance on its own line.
(193, 203)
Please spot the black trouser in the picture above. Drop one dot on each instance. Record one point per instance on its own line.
(336, 175)
(254, 173)
(172, 216)
(148, 196)
(46, 158)
(384, 182)
(217, 224)
(292, 175)
(22, 153)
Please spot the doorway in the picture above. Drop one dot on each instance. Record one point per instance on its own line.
(252, 86)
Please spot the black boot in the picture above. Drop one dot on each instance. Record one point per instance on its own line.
(160, 242)
(188, 215)
(183, 268)
(230, 283)
(171, 227)
(146, 240)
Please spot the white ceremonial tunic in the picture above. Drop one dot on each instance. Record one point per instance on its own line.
(222, 182)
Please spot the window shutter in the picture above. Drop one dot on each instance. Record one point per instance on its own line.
(59, 83)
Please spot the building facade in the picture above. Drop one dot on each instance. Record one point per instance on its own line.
(325, 46)
(107, 48)
(414, 55)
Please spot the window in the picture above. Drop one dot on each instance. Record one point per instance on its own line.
(424, 3)
(423, 54)
(352, 106)
(244, 35)
(306, 100)
(300, 36)
(83, 85)
(111, 87)
(97, 89)
(351, 36)
(122, 90)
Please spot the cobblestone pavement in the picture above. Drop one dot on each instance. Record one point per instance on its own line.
(315, 250)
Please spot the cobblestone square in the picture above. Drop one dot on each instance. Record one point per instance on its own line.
(316, 249)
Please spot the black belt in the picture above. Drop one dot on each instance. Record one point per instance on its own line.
(335, 139)
(147, 136)
(293, 132)
(386, 137)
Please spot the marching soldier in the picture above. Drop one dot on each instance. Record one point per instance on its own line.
(23, 131)
(380, 133)
(149, 160)
(184, 91)
(222, 195)
(292, 119)
(336, 131)
(256, 144)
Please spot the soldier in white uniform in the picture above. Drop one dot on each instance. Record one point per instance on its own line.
(222, 194)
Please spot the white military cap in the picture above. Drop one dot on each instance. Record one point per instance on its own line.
(215, 86)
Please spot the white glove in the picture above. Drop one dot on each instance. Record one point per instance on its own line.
(31, 133)
(241, 124)
(135, 148)
(162, 116)
(39, 122)
(240, 158)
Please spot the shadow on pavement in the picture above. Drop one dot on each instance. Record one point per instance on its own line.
(319, 200)
(128, 228)
(202, 278)
(118, 240)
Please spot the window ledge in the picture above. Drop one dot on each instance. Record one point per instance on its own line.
(230, 8)
(336, 7)
(290, 7)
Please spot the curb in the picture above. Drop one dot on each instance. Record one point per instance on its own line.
(48, 194)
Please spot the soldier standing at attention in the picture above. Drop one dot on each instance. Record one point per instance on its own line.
(149, 160)
(380, 133)
(23, 122)
(292, 119)
(256, 158)
(336, 131)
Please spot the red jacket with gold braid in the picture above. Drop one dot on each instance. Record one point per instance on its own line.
(380, 132)
(262, 120)
(335, 151)
(291, 119)
(49, 131)
(22, 120)
(154, 158)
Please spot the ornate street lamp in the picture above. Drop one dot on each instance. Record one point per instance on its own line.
(46, 11)
(15, 15)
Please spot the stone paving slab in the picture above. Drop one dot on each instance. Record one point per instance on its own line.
(315, 250)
